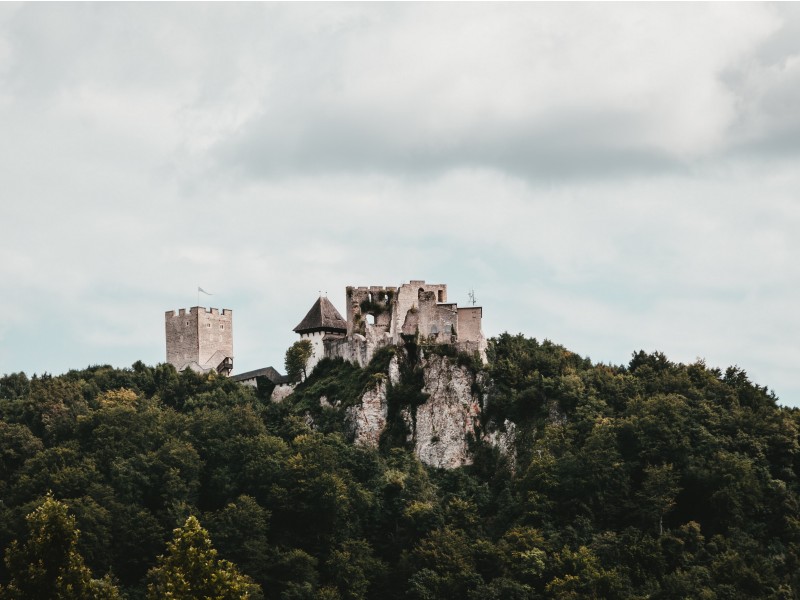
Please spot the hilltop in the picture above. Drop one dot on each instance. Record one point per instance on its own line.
(563, 478)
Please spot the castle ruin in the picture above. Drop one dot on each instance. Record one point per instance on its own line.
(201, 339)
(379, 316)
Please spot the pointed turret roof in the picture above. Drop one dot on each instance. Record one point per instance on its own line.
(323, 316)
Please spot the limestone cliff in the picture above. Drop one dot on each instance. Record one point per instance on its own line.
(367, 419)
(450, 418)
(441, 429)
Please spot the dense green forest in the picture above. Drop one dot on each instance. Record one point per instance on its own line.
(651, 480)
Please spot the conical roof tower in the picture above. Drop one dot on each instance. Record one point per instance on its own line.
(323, 316)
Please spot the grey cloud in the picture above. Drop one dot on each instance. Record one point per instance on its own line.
(785, 41)
(766, 85)
(559, 146)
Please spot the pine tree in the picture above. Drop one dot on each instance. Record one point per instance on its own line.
(190, 569)
(48, 566)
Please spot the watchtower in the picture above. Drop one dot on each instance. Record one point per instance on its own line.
(200, 339)
(323, 322)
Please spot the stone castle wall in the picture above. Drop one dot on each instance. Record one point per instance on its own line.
(182, 338)
(197, 335)
(317, 348)
(378, 316)
(469, 323)
(437, 323)
(215, 332)
(370, 307)
(408, 298)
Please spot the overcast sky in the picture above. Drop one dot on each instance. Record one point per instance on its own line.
(612, 177)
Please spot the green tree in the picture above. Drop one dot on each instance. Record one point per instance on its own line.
(657, 495)
(48, 566)
(447, 566)
(352, 568)
(297, 358)
(190, 569)
(584, 577)
(17, 444)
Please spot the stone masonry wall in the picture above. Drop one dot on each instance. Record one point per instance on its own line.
(215, 334)
(438, 323)
(469, 323)
(182, 341)
(377, 301)
(196, 335)
(377, 316)
(408, 298)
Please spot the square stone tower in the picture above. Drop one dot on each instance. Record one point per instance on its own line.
(200, 339)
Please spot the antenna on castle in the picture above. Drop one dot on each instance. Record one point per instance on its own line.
(472, 297)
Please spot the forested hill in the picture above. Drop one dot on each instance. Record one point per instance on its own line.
(652, 480)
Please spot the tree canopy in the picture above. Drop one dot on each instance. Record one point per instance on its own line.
(647, 480)
(191, 569)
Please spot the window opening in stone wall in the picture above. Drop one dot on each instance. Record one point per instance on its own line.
(441, 296)
(370, 319)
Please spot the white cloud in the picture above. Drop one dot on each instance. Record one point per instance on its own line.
(612, 177)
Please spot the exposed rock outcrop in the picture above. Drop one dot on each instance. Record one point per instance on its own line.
(448, 420)
(503, 439)
(281, 392)
(368, 418)
(436, 401)
(440, 430)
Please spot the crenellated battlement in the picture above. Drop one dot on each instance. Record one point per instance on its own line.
(227, 312)
(375, 289)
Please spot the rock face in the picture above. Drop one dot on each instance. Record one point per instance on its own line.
(448, 420)
(441, 429)
(503, 440)
(281, 392)
(368, 419)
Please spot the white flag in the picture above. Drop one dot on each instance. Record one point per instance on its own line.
(199, 289)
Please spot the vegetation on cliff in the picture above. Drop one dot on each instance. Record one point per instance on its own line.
(651, 480)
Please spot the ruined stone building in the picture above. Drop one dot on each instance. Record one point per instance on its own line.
(378, 316)
(201, 339)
